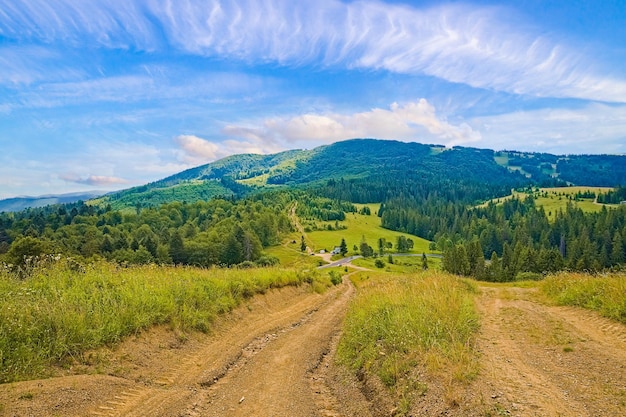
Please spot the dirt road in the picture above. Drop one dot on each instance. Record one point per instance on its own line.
(273, 357)
(540, 360)
(263, 360)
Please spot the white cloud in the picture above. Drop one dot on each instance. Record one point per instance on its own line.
(593, 129)
(197, 151)
(93, 180)
(485, 47)
(416, 121)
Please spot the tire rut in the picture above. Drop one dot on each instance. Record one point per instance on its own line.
(549, 361)
(185, 386)
(276, 380)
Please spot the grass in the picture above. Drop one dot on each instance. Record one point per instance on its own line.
(554, 199)
(401, 264)
(60, 312)
(604, 293)
(357, 227)
(289, 254)
(401, 325)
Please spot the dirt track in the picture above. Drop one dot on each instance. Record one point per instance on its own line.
(272, 357)
(264, 360)
(540, 360)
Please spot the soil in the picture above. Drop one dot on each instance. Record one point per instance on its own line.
(273, 356)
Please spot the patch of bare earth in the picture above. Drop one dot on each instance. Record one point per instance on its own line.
(540, 360)
(268, 358)
(274, 357)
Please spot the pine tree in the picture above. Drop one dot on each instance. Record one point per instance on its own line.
(381, 246)
(617, 252)
(177, 248)
(343, 247)
(495, 268)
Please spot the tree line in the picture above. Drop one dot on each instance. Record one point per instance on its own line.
(516, 236)
(215, 232)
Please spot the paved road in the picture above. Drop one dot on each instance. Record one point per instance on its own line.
(340, 262)
(349, 259)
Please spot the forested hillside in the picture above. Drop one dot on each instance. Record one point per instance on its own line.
(516, 236)
(216, 232)
(359, 161)
(228, 212)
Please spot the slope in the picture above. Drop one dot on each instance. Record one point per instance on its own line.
(358, 159)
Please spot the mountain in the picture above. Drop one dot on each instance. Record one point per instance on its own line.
(376, 165)
(589, 170)
(22, 203)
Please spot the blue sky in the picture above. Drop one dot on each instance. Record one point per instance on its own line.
(103, 95)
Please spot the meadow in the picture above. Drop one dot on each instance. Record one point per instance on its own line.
(63, 309)
(554, 199)
(399, 264)
(605, 294)
(355, 228)
(403, 326)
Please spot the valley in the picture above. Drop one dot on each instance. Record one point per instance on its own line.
(219, 291)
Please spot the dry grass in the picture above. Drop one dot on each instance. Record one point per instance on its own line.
(59, 311)
(603, 293)
(399, 325)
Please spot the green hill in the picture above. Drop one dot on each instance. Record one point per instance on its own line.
(371, 170)
(22, 203)
(365, 160)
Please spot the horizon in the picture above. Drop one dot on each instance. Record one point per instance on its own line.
(100, 193)
(111, 96)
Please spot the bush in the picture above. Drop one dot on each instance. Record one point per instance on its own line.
(528, 276)
(335, 277)
(379, 263)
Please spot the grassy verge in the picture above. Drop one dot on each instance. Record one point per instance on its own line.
(357, 227)
(411, 329)
(58, 312)
(605, 294)
(400, 264)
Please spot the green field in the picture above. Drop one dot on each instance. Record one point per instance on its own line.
(554, 199)
(360, 226)
(289, 254)
(401, 264)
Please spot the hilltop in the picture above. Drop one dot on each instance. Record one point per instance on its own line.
(366, 161)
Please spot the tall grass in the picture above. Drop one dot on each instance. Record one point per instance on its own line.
(58, 311)
(400, 324)
(603, 293)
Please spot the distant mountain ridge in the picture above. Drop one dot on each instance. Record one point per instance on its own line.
(354, 159)
(381, 163)
(24, 202)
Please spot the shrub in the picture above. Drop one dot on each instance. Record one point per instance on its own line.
(335, 277)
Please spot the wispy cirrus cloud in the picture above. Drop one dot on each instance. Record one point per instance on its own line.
(484, 47)
(112, 24)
